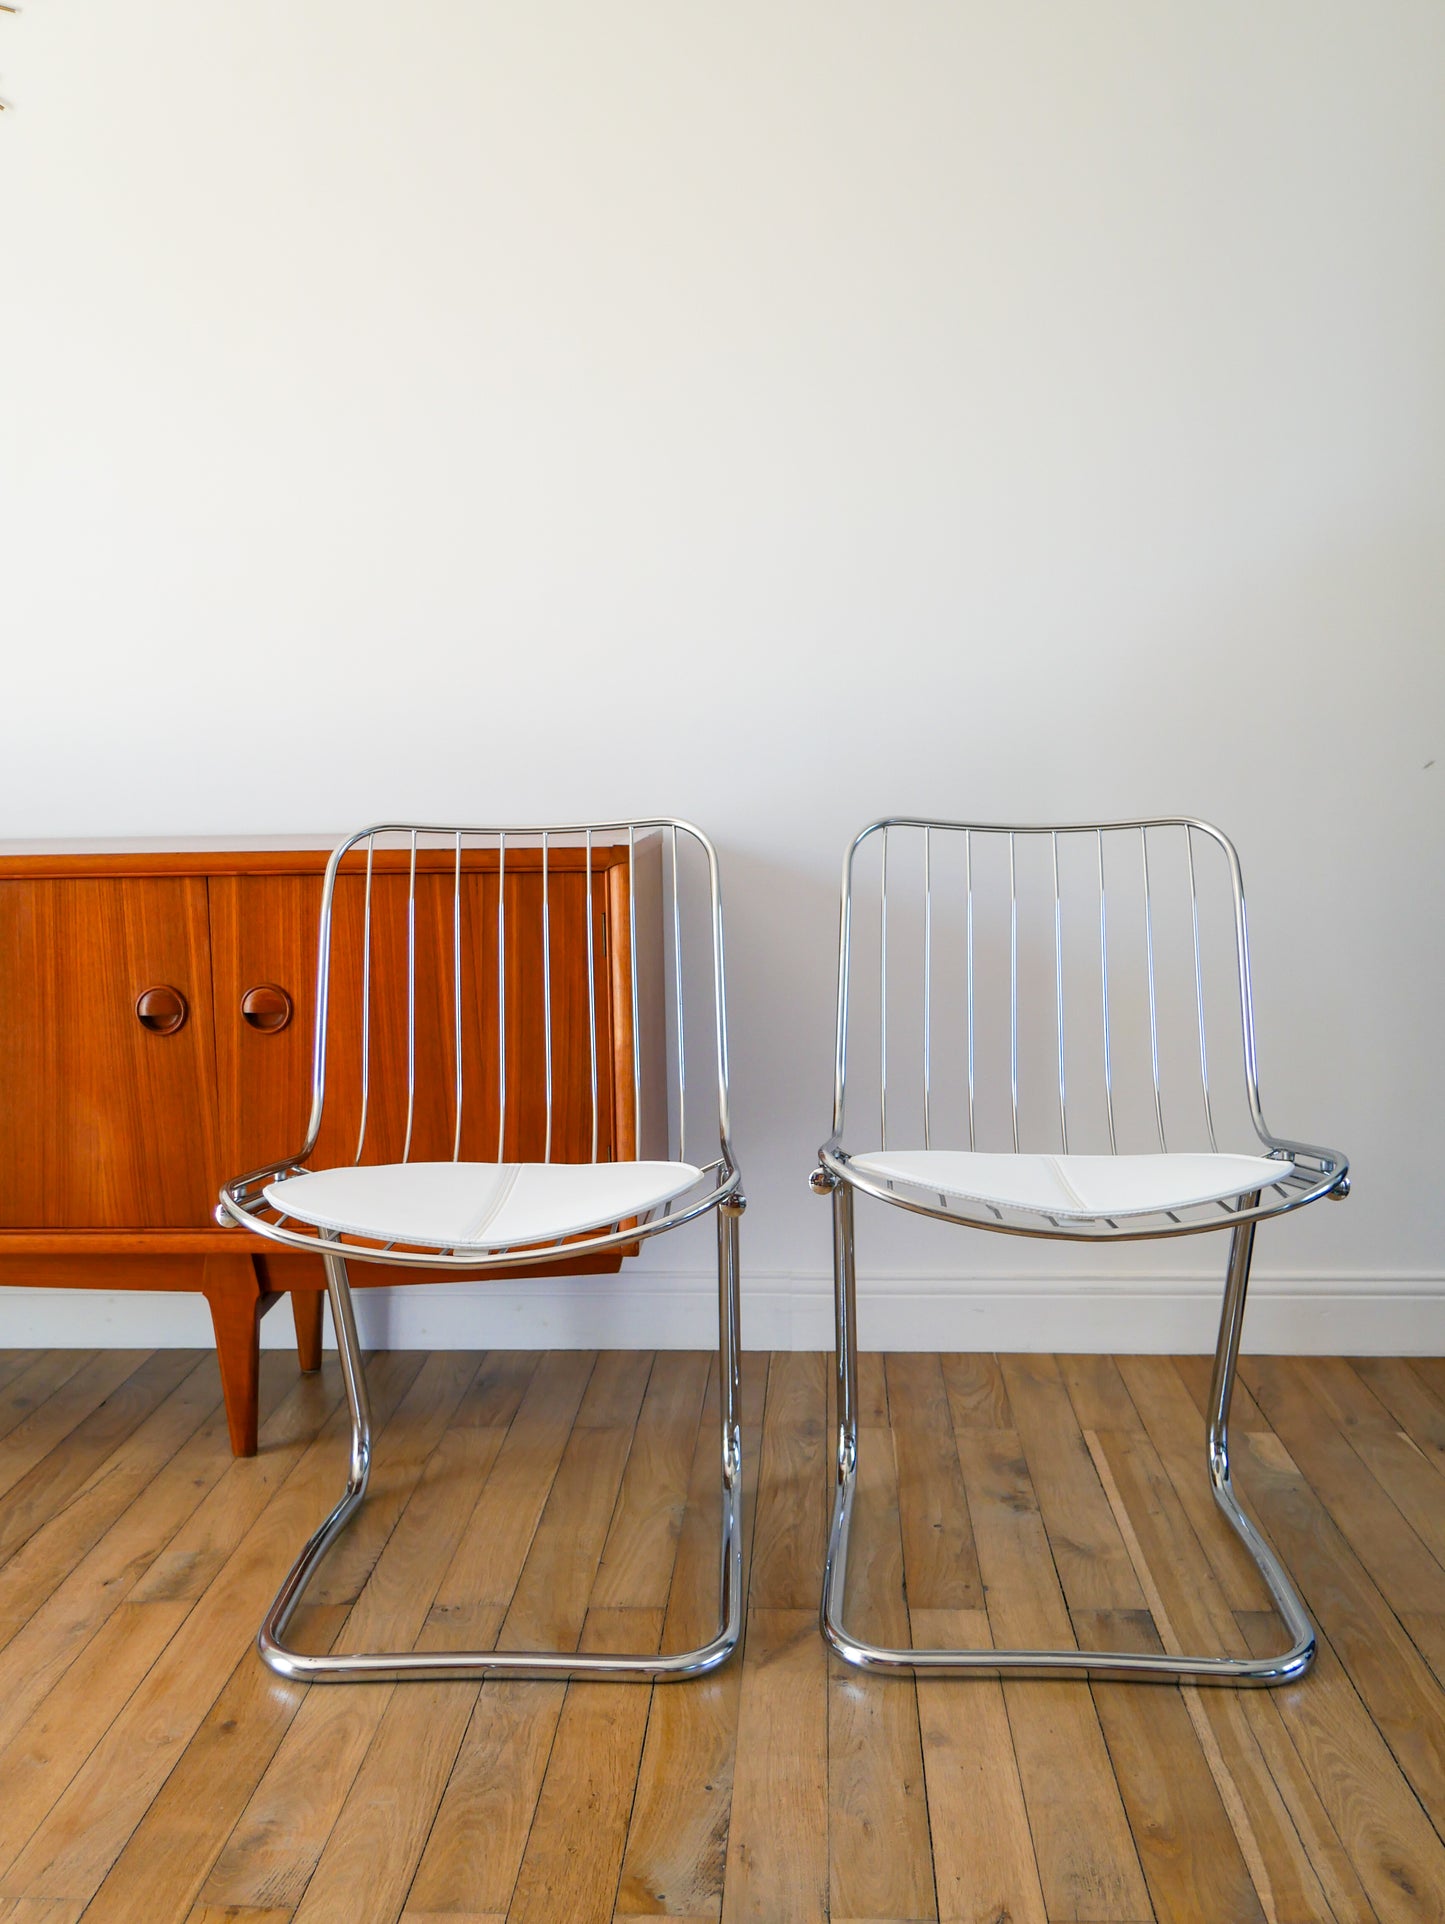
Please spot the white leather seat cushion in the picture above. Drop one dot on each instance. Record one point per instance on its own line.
(1078, 1187)
(478, 1205)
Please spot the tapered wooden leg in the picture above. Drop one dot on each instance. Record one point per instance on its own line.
(306, 1307)
(232, 1287)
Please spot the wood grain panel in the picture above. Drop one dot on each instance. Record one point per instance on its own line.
(284, 1829)
(777, 1863)
(1337, 1465)
(49, 1486)
(185, 1562)
(47, 1633)
(469, 1866)
(82, 1835)
(563, 1487)
(677, 1836)
(372, 1852)
(1176, 1429)
(985, 1868)
(641, 1548)
(166, 1857)
(591, 1775)
(1391, 1676)
(34, 1439)
(37, 1381)
(977, 1397)
(1190, 1854)
(1089, 1554)
(185, 1424)
(792, 1487)
(1088, 1865)
(939, 1562)
(1401, 1390)
(879, 1859)
(1403, 1473)
(102, 1123)
(1292, 1852)
(1392, 1846)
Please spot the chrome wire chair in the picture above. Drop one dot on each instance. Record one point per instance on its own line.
(492, 1047)
(997, 935)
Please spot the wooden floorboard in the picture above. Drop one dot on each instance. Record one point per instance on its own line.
(156, 1773)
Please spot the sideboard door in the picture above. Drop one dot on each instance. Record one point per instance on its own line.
(264, 935)
(107, 1109)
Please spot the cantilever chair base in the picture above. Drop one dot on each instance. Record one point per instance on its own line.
(580, 1167)
(1099, 1665)
(402, 1666)
(997, 1151)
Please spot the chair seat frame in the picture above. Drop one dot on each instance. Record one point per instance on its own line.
(1317, 1172)
(719, 1190)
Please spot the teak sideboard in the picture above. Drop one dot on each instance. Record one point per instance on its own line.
(156, 1028)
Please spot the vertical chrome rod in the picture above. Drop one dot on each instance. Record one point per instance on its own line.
(730, 1343)
(591, 996)
(1059, 997)
(927, 982)
(1104, 993)
(730, 1400)
(1153, 1006)
(632, 960)
(968, 965)
(845, 1313)
(1013, 987)
(677, 983)
(547, 995)
(1199, 990)
(410, 1000)
(1221, 1392)
(353, 1373)
(457, 996)
(365, 1002)
(501, 996)
(883, 995)
(1226, 1354)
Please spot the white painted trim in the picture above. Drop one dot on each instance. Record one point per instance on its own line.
(1320, 1314)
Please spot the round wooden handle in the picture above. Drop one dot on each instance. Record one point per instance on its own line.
(266, 1008)
(162, 1009)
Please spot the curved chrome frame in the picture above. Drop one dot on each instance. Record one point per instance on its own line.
(242, 1204)
(1326, 1172)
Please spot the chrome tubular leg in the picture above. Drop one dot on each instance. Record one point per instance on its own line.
(401, 1666)
(353, 1374)
(269, 1640)
(845, 1319)
(1298, 1658)
(730, 1614)
(1102, 1665)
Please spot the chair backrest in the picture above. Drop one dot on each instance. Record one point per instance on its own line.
(1076, 987)
(521, 994)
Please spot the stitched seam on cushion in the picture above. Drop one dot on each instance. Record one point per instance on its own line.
(1068, 1188)
(507, 1183)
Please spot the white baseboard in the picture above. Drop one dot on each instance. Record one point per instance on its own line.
(1389, 1315)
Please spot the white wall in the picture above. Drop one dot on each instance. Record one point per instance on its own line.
(776, 414)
